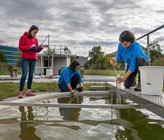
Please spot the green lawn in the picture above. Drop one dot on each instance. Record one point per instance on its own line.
(103, 72)
(10, 89)
(86, 72)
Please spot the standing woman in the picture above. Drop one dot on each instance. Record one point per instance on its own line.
(28, 45)
(133, 55)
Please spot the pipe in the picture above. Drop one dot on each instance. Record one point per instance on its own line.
(63, 94)
(122, 106)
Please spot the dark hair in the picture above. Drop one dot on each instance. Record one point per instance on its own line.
(127, 36)
(33, 27)
(74, 64)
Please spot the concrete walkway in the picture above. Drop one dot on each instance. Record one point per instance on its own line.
(32, 101)
(87, 78)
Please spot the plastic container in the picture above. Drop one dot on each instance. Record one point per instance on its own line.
(49, 72)
(13, 73)
(151, 79)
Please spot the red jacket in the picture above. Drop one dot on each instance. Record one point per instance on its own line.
(25, 43)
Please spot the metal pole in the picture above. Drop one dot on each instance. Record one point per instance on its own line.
(148, 51)
(118, 91)
(60, 49)
(48, 51)
(53, 63)
(48, 44)
(41, 65)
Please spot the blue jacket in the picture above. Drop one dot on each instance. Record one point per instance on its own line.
(130, 54)
(66, 74)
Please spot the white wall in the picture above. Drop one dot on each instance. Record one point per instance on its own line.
(38, 64)
(59, 63)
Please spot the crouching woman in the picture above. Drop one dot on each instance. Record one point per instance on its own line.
(70, 77)
(133, 55)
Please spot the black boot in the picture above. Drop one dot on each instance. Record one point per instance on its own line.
(134, 83)
(138, 87)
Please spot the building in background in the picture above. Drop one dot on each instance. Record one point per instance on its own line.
(11, 54)
(82, 60)
(52, 60)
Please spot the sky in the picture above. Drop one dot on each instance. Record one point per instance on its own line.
(81, 24)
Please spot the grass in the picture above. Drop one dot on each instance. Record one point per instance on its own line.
(103, 72)
(10, 89)
(86, 72)
(7, 71)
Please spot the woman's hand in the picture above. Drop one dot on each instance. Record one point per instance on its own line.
(42, 46)
(121, 79)
(124, 77)
(80, 89)
(113, 61)
(72, 91)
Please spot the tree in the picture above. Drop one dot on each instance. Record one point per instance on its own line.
(73, 58)
(155, 51)
(19, 59)
(159, 61)
(2, 57)
(95, 56)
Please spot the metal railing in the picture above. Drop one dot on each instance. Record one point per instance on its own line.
(57, 50)
(147, 35)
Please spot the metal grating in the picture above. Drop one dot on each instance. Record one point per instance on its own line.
(155, 99)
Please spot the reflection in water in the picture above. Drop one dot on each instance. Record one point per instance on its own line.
(27, 125)
(138, 126)
(85, 124)
(70, 113)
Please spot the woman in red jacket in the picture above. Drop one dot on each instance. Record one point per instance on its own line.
(28, 44)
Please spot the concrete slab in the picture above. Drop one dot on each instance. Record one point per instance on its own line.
(87, 78)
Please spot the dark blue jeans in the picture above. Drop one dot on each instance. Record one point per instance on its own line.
(141, 61)
(27, 64)
(74, 82)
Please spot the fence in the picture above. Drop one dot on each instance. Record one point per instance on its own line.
(4, 68)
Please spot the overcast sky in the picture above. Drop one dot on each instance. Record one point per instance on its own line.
(81, 24)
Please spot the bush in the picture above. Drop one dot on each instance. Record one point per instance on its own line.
(158, 61)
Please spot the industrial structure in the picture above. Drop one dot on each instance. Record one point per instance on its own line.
(52, 60)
